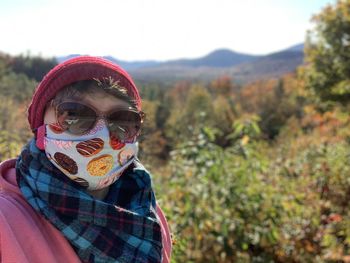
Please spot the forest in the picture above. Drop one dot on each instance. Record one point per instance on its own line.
(253, 172)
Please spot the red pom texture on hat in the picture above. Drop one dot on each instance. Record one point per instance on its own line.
(70, 71)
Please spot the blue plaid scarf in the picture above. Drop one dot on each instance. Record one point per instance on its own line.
(121, 228)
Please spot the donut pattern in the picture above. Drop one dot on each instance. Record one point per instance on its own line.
(101, 165)
(94, 161)
(63, 145)
(98, 127)
(56, 128)
(125, 155)
(80, 181)
(65, 162)
(108, 180)
(115, 143)
(90, 147)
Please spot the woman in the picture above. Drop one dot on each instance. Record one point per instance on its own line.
(77, 192)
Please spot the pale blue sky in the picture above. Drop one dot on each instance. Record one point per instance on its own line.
(153, 29)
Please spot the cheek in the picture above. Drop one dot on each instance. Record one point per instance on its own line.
(49, 116)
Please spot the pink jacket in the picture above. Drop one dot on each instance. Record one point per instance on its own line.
(27, 237)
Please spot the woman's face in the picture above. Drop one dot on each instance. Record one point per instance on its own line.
(101, 101)
(104, 103)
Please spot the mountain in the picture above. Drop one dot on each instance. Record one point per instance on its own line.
(270, 66)
(133, 64)
(241, 67)
(127, 65)
(221, 58)
(64, 58)
(252, 68)
(298, 47)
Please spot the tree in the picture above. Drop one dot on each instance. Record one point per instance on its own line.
(17, 86)
(152, 142)
(3, 67)
(187, 118)
(34, 67)
(328, 53)
(223, 86)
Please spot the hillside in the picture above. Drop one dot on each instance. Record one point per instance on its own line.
(271, 66)
(221, 58)
(259, 67)
(241, 67)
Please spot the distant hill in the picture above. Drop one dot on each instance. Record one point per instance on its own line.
(270, 66)
(298, 47)
(221, 58)
(273, 65)
(241, 67)
(124, 64)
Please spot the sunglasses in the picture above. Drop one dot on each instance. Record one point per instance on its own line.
(124, 123)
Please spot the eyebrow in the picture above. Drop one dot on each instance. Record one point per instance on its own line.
(77, 97)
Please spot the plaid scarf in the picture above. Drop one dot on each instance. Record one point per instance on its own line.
(121, 228)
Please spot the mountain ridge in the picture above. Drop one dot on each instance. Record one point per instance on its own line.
(241, 67)
(222, 55)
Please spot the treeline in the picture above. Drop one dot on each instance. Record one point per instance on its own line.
(19, 75)
(180, 113)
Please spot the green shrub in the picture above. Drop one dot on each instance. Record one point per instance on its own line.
(225, 206)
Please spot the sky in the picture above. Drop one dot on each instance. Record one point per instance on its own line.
(160, 30)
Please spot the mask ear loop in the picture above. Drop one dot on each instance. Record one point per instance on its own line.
(40, 137)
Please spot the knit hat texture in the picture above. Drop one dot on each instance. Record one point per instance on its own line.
(70, 71)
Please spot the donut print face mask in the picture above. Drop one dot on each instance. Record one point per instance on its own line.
(94, 160)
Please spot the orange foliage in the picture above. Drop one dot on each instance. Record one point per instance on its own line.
(222, 86)
(253, 95)
(180, 91)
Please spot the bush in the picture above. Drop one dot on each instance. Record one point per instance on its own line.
(226, 206)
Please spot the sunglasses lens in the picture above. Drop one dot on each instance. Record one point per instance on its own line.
(124, 124)
(75, 118)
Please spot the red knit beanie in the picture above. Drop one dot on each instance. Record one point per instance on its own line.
(72, 70)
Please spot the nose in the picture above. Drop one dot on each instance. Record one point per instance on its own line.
(109, 131)
(100, 127)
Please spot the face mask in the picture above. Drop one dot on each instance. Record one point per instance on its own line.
(93, 160)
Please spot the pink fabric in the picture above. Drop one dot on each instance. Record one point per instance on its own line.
(26, 236)
(166, 238)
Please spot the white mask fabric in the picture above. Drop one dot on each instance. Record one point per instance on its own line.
(95, 160)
